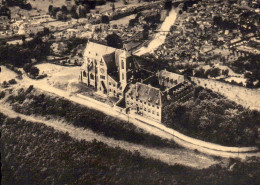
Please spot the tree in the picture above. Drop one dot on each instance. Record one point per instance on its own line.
(145, 31)
(249, 83)
(61, 16)
(46, 31)
(113, 7)
(73, 12)
(113, 40)
(200, 73)
(54, 11)
(105, 19)
(82, 11)
(131, 22)
(50, 8)
(225, 72)
(34, 71)
(27, 67)
(64, 9)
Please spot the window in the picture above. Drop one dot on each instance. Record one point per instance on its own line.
(145, 103)
(102, 77)
(157, 113)
(141, 101)
(110, 90)
(123, 76)
(122, 64)
(149, 104)
(157, 107)
(109, 83)
(149, 110)
(84, 74)
(152, 105)
(144, 109)
(131, 98)
(91, 76)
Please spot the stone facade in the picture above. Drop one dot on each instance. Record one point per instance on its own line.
(105, 69)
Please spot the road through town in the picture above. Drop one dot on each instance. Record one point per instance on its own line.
(159, 38)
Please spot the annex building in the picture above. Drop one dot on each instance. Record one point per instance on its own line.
(148, 98)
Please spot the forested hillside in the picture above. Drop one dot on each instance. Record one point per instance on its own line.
(36, 154)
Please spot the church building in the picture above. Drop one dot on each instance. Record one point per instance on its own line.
(106, 69)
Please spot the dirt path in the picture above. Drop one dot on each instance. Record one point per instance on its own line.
(166, 155)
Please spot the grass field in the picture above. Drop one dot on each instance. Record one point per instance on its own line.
(44, 4)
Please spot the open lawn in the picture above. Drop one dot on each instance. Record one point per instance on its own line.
(124, 21)
(59, 76)
(6, 74)
(44, 4)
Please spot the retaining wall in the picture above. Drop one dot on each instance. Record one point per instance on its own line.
(247, 97)
(203, 146)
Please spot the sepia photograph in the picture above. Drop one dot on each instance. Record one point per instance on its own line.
(130, 92)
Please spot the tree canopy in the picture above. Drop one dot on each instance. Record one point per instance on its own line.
(113, 40)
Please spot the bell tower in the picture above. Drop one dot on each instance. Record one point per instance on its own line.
(122, 69)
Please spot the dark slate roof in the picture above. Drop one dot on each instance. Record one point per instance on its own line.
(110, 60)
(112, 69)
(145, 93)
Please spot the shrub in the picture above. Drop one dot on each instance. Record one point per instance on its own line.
(211, 117)
(11, 82)
(82, 116)
(2, 94)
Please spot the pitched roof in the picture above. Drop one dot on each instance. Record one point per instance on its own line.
(96, 51)
(145, 93)
(166, 74)
(112, 69)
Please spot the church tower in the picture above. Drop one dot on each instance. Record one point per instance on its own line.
(122, 69)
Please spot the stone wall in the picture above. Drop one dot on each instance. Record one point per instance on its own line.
(244, 96)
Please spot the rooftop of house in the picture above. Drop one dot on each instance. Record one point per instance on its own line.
(145, 93)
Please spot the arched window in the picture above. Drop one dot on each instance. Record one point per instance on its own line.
(122, 64)
(84, 74)
(91, 76)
